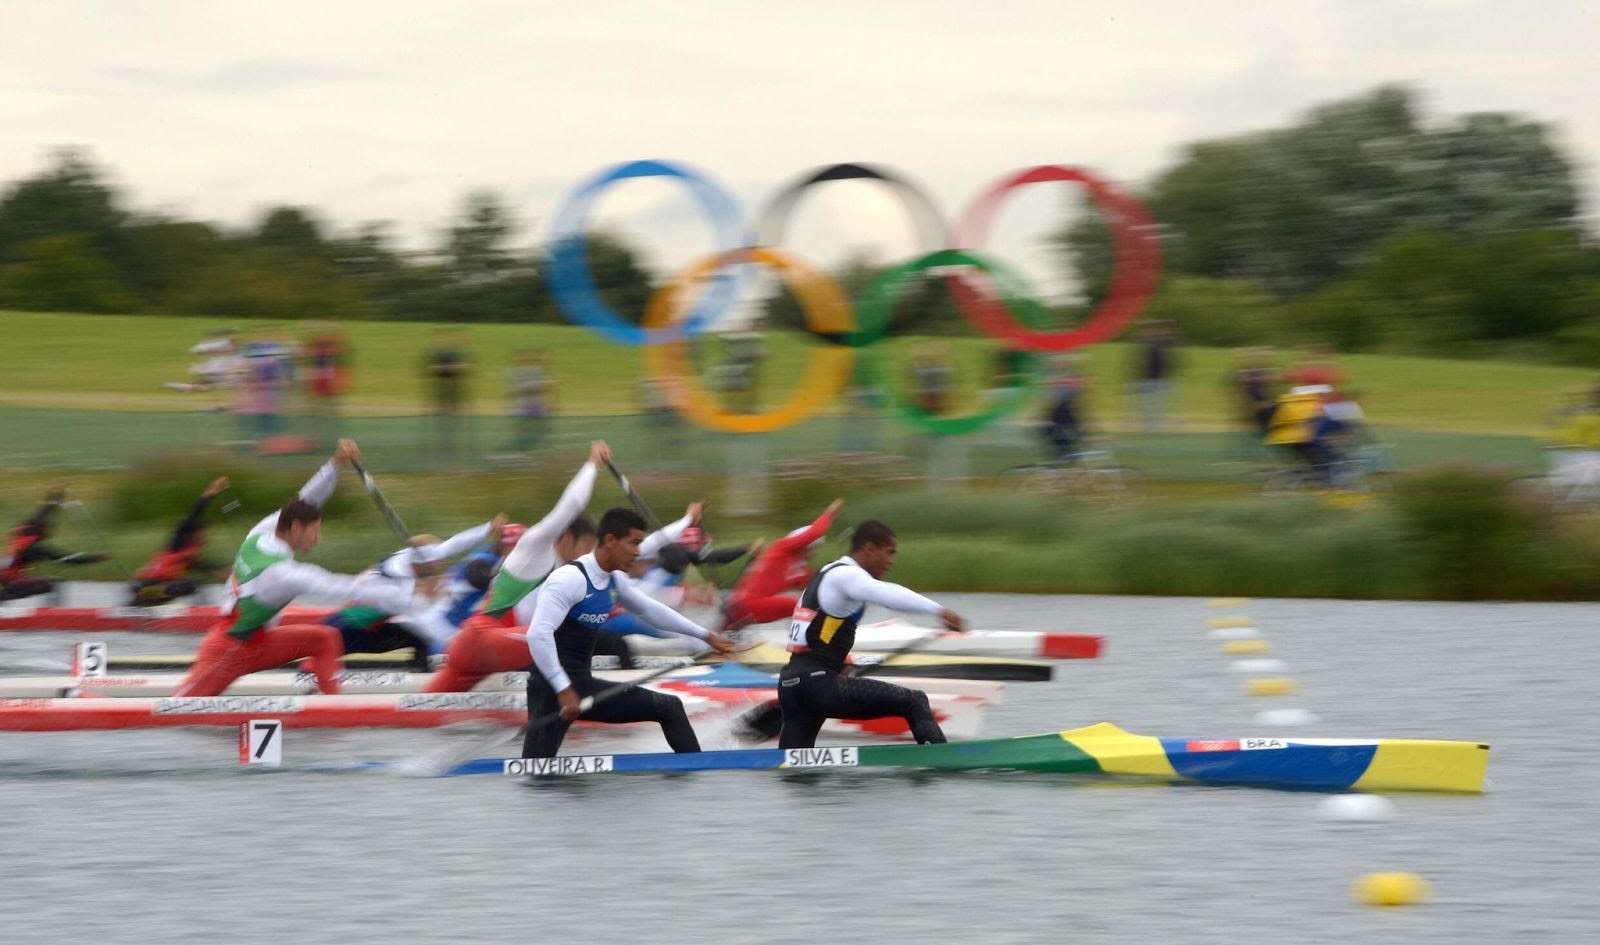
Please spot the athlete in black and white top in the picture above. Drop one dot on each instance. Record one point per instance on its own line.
(813, 687)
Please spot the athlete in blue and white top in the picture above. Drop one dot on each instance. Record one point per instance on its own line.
(420, 626)
(569, 608)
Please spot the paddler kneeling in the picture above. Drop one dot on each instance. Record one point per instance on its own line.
(568, 610)
(813, 687)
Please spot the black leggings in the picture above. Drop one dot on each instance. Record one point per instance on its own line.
(384, 637)
(613, 703)
(26, 587)
(607, 643)
(152, 593)
(808, 698)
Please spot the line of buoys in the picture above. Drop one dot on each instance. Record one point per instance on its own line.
(1239, 636)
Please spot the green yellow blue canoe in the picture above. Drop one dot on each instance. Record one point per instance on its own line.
(1328, 764)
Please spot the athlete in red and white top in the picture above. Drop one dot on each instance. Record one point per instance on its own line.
(266, 578)
(759, 597)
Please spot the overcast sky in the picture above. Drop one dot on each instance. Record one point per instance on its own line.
(392, 110)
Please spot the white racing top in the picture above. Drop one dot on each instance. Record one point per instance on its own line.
(566, 588)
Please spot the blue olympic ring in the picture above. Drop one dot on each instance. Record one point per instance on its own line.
(567, 271)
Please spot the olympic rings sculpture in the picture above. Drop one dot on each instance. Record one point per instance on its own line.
(991, 298)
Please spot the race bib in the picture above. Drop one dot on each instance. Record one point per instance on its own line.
(798, 626)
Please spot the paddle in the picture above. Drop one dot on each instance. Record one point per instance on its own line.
(634, 497)
(443, 761)
(108, 557)
(766, 720)
(389, 514)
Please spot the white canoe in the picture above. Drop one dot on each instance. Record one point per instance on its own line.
(390, 682)
(960, 716)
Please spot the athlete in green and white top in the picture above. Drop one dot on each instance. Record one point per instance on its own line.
(266, 577)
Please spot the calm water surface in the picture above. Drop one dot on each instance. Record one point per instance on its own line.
(158, 837)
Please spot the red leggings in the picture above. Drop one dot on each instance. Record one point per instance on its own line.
(484, 645)
(221, 658)
(761, 609)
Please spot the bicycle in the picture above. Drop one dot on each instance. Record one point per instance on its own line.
(1571, 486)
(1092, 474)
(1363, 470)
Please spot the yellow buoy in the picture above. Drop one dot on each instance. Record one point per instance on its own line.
(1245, 647)
(1271, 686)
(1217, 622)
(1221, 603)
(1390, 889)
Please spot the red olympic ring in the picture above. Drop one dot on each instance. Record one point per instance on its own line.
(1133, 279)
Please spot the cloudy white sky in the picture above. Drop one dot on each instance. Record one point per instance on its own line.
(393, 109)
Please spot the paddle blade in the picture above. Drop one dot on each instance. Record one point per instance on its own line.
(759, 724)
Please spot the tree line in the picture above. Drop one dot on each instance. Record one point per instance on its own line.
(1365, 224)
(1369, 227)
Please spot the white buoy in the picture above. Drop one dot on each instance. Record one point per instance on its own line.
(1356, 807)
(1286, 717)
(1264, 665)
(1234, 633)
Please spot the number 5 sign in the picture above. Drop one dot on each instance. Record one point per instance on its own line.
(89, 659)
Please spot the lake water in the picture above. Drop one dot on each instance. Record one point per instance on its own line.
(160, 837)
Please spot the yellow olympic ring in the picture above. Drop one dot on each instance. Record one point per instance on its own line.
(826, 309)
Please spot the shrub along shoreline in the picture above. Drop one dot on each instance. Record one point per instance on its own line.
(1446, 533)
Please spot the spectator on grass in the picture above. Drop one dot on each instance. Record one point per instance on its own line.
(532, 392)
(1154, 367)
(1574, 434)
(932, 377)
(1316, 367)
(327, 370)
(1064, 428)
(446, 368)
(268, 373)
(745, 352)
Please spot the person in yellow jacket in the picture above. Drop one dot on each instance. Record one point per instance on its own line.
(1573, 437)
(1294, 423)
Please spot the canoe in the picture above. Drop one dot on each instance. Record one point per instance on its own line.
(888, 635)
(764, 657)
(178, 618)
(394, 682)
(1327, 764)
(960, 715)
(884, 635)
